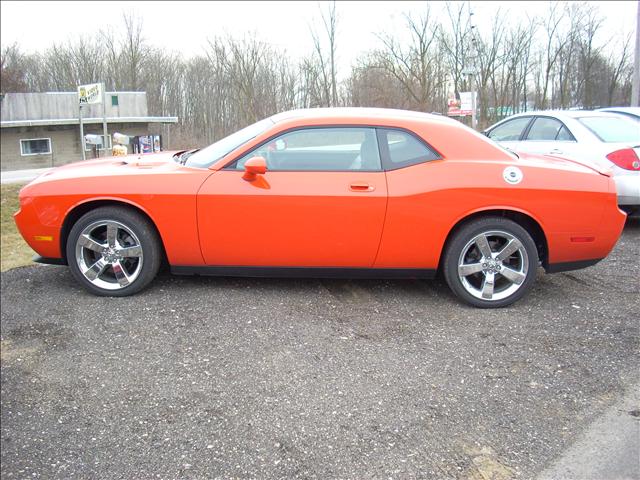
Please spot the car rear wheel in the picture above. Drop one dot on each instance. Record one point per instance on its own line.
(113, 251)
(491, 262)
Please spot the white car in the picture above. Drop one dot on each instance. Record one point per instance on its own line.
(607, 139)
(629, 112)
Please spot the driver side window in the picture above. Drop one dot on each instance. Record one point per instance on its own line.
(319, 149)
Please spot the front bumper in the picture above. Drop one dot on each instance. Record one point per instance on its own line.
(42, 236)
(49, 261)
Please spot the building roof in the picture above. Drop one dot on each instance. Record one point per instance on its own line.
(61, 108)
(577, 113)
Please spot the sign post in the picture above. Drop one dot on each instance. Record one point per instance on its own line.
(104, 119)
(84, 155)
(92, 94)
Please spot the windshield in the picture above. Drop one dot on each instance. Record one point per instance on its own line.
(612, 129)
(207, 156)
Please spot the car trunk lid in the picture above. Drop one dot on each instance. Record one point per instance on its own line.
(566, 163)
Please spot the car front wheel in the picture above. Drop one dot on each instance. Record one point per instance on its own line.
(491, 262)
(113, 251)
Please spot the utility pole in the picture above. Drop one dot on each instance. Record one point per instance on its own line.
(472, 70)
(104, 121)
(474, 107)
(635, 87)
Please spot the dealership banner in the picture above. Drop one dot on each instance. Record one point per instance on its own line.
(463, 106)
(91, 93)
(466, 102)
(453, 107)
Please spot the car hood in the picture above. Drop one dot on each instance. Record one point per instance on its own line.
(112, 166)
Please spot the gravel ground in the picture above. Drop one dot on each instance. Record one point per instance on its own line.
(236, 378)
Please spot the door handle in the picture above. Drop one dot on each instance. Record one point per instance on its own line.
(555, 151)
(361, 187)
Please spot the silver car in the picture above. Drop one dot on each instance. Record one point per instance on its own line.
(606, 139)
(632, 113)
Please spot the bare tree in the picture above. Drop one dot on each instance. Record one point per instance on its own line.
(323, 63)
(509, 84)
(560, 60)
(589, 54)
(13, 72)
(415, 67)
(455, 40)
(489, 59)
(134, 50)
(618, 69)
(373, 86)
(554, 44)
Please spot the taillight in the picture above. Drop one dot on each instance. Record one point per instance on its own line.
(625, 158)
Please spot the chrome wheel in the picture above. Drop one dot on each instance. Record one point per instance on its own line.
(109, 255)
(493, 265)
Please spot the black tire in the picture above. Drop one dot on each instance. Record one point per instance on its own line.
(150, 258)
(461, 240)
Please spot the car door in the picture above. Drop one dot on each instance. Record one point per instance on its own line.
(413, 223)
(549, 136)
(321, 203)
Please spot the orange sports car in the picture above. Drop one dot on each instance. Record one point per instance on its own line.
(327, 193)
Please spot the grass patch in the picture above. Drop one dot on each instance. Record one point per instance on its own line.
(15, 251)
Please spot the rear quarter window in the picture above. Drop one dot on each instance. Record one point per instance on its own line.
(403, 149)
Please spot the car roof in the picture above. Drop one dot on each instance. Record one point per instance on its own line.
(635, 110)
(559, 114)
(565, 113)
(361, 112)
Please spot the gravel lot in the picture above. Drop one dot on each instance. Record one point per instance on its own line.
(210, 377)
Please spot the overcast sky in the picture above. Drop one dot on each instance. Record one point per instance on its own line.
(185, 26)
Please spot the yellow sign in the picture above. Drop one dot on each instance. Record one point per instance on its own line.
(88, 94)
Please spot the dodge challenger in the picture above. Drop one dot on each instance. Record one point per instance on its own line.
(355, 192)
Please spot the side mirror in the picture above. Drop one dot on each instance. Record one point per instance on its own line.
(253, 167)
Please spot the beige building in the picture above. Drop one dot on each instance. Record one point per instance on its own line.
(42, 130)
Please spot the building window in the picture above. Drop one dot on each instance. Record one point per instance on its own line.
(88, 147)
(114, 100)
(35, 146)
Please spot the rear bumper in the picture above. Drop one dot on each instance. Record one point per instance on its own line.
(582, 247)
(628, 188)
(566, 266)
